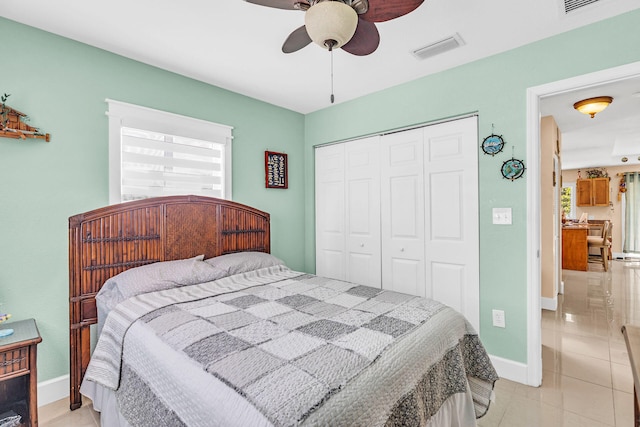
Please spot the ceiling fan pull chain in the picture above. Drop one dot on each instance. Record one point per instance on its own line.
(330, 44)
(332, 97)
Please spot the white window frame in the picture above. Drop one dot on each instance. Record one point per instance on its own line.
(122, 114)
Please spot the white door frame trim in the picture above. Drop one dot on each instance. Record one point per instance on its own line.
(534, 95)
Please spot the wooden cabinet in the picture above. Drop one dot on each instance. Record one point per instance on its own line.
(18, 378)
(575, 253)
(592, 192)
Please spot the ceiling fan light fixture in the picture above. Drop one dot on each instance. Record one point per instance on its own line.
(593, 106)
(331, 21)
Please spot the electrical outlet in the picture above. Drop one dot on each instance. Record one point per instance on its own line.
(498, 319)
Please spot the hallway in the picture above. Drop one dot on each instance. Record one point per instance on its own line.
(587, 380)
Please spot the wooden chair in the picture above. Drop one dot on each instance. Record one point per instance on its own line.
(603, 243)
(610, 239)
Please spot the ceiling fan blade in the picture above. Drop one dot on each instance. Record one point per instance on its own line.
(298, 39)
(384, 10)
(279, 4)
(365, 40)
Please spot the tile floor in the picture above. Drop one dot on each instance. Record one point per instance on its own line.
(586, 378)
(57, 414)
(586, 374)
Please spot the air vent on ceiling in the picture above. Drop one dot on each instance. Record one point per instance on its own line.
(439, 47)
(571, 5)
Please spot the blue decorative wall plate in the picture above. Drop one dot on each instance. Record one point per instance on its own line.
(512, 169)
(493, 144)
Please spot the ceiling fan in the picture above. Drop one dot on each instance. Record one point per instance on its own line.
(346, 24)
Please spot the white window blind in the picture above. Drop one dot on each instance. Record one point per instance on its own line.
(156, 164)
(155, 153)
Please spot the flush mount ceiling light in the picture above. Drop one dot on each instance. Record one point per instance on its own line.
(593, 106)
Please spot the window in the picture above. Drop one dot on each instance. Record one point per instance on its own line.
(568, 200)
(154, 153)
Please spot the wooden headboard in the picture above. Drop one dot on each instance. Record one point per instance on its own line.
(109, 240)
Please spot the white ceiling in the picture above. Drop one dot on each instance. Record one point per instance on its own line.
(236, 45)
(604, 140)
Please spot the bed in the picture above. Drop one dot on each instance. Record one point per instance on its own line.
(198, 324)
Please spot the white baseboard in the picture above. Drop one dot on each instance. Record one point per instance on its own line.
(622, 255)
(549, 303)
(52, 390)
(510, 370)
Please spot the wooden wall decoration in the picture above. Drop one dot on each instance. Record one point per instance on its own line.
(12, 124)
(275, 170)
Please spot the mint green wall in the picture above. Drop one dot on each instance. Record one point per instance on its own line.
(495, 88)
(62, 86)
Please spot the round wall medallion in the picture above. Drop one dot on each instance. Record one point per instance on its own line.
(512, 169)
(493, 144)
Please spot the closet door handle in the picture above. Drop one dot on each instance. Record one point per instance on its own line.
(401, 249)
(362, 245)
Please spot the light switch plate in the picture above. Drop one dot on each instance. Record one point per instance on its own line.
(502, 216)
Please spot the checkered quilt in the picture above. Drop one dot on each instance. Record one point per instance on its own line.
(288, 348)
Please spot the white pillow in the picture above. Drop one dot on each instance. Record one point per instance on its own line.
(241, 262)
(156, 277)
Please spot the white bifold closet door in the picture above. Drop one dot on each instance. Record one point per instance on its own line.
(362, 183)
(400, 211)
(452, 243)
(348, 211)
(330, 212)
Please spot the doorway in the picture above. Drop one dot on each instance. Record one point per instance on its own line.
(534, 97)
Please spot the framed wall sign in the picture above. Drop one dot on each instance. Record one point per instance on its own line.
(275, 170)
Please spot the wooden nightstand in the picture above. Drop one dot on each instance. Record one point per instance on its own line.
(18, 375)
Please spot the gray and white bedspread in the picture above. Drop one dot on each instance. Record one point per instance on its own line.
(279, 347)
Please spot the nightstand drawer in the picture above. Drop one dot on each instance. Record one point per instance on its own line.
(14, 362)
